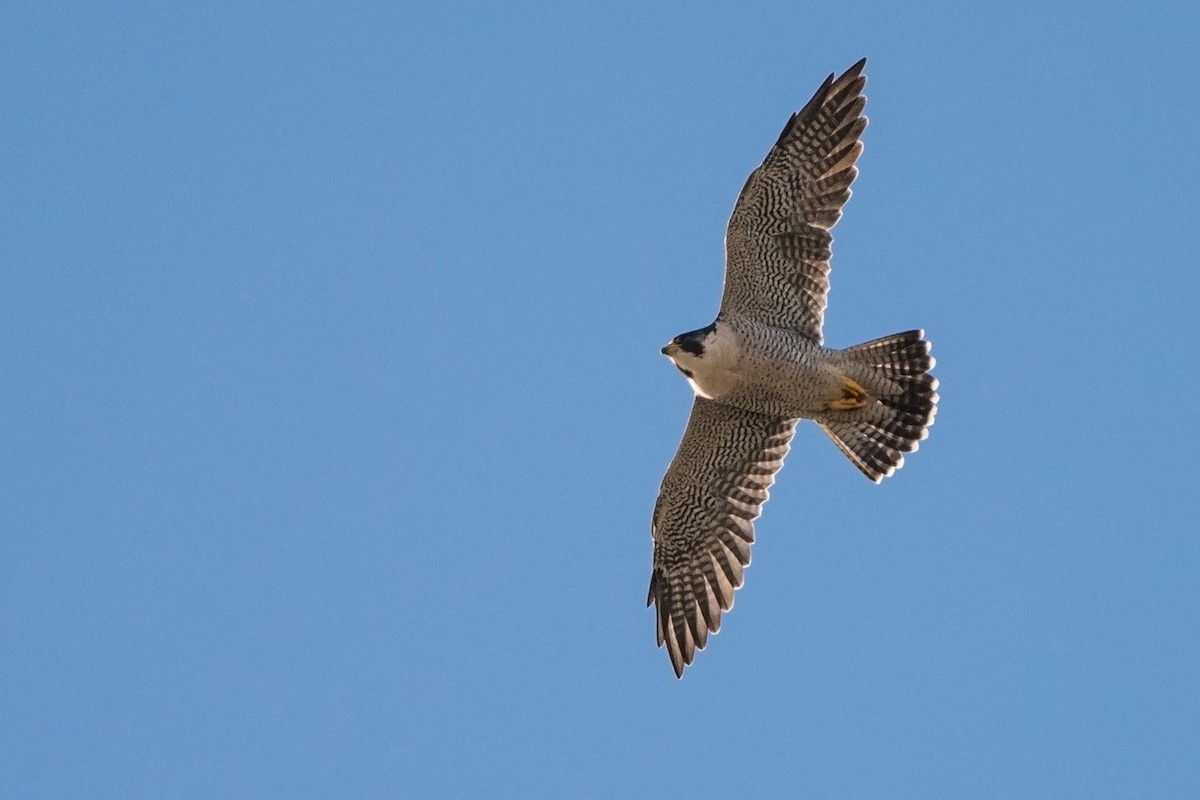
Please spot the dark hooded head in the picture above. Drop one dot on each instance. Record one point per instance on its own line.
(691, 342)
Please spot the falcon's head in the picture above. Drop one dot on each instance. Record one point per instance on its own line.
(705, 358)
(688, 347)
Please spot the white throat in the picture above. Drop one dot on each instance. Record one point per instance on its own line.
(712, 373)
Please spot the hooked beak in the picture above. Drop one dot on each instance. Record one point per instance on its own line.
(670, 350)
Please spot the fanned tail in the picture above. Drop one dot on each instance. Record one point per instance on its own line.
(876, 435)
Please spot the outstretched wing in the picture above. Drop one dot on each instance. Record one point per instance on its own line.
(704, 519)
(777, 246)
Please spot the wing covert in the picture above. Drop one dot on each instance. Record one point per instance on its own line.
(778, 245)
(703, 521)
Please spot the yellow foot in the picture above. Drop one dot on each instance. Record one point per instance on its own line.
(853, 396)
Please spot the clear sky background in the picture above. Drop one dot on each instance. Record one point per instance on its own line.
(332, 411)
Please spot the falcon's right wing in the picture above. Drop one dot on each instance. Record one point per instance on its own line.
(703, 520)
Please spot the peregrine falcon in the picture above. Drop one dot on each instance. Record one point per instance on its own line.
(760, 368)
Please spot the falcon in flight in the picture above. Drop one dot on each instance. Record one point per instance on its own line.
(760, 368)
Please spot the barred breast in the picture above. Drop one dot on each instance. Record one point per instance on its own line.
(783, 372)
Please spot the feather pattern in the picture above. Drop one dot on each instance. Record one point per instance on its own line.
(704, 519)
(778, 245)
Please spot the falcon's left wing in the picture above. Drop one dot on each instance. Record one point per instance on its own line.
(703, 520)
(778, 245)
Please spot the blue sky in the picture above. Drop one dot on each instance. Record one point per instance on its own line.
(333, 413)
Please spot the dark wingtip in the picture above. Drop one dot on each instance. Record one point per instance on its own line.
(852, 77)
(821, 94)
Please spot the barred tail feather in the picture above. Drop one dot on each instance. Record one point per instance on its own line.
(876, 438)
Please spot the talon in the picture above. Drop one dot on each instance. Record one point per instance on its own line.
(853, 396)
